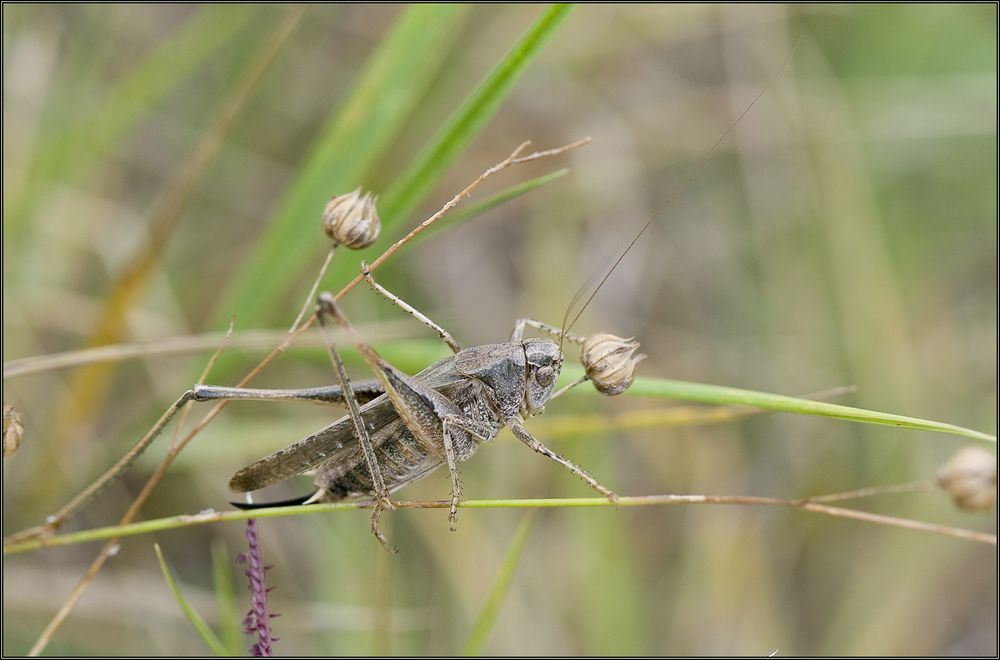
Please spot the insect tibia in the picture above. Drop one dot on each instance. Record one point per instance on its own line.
(517, 428)
(410, 309)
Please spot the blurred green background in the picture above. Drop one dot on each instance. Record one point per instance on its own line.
(845, 233)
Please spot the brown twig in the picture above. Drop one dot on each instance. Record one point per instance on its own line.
(507, 162)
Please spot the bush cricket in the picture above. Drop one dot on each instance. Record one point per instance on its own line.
(438, 416)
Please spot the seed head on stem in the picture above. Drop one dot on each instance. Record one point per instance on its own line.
(610, 362)
(970, 478)
(351, 220)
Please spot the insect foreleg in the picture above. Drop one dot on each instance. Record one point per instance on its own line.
(516, 427)
(482, 431)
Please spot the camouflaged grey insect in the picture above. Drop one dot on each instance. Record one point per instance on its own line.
(416, 423)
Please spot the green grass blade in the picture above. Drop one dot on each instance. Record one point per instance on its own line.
(663, 388)
(491, 610)
(213, 642)
(178, 522)
(416, 354)
(356, 135)
(423, 174)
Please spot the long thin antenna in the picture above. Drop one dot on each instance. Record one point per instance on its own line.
(566, 328)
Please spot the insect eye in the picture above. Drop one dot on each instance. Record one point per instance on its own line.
(544, 376)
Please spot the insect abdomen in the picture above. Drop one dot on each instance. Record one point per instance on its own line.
(401, 457)
(402, 460)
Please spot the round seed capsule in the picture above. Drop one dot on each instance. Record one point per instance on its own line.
(609, 362)
(351, 220)
(12, 429)
(970, 478)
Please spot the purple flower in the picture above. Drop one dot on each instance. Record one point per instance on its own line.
(257, 620)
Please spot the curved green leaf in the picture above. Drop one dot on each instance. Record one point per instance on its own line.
(213, 642)
(491, 610)
(663, 388)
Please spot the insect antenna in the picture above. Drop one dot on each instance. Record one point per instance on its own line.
(564, 331)
(576, 298)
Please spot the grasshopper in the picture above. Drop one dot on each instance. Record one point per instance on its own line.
(420, 422)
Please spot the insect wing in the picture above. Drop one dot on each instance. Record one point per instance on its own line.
(335, 443)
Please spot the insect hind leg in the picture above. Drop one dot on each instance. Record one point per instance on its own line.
(435, 421)
(380, 502)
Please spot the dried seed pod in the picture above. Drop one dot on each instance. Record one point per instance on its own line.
(970, 478)
(609, 362)
(12, 429)
(351, 220)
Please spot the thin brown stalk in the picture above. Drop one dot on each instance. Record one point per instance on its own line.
(805, 505)
(312, 291)
(913, 487)
(184, 345)
(507, 162)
